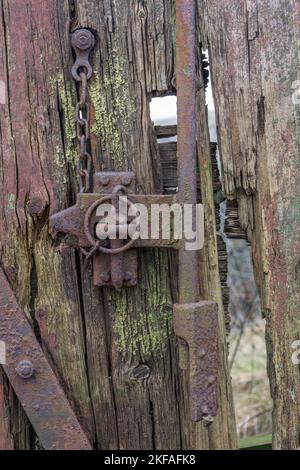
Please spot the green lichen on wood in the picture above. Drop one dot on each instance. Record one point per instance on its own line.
(147, 332)
(113, 107)
(145, 335)
(61, 315)
(67, 105)
(11, 202)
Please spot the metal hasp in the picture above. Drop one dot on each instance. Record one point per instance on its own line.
(33, 380)
(114, 261)
(195, 321)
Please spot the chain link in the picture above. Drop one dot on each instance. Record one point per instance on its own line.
(83, 134)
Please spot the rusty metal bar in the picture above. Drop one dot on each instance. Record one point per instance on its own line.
(195, 321)
(33, 380)
(186, 147)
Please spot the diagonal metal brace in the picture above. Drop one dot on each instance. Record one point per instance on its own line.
(33, 380)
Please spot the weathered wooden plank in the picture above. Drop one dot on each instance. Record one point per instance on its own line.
(6, 441)
(210, 282)
(166, 131)
(37, 141)
(232, 226)
(254, 57)
(115, 352)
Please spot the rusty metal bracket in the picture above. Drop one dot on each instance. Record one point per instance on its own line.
(33, 380)
(83, 42)
(114, 261)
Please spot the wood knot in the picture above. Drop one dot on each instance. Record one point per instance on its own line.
(36, 206)
(142, 14)
(11, 273)
(141, 372)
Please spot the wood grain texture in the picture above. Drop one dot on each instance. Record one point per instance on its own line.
(6, 441)
(115, 353)
(254, 51)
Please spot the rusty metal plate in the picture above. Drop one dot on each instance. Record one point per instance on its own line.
(102, 272)
(33, 380)
(71, 220)
(197, 324)
(106, 181)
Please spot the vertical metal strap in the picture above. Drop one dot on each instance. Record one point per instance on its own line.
(195, 321)
(186, 110)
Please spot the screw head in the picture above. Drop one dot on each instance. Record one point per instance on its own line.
(25, 369)
(126, 180)
(202, 353)
(105, 276)
(83, 39)
(104, 180)
(211, 379)
(127, 276)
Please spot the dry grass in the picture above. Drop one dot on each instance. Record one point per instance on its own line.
(253, 403)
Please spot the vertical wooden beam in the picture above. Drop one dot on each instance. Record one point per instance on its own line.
(6, 442)
(254, 57)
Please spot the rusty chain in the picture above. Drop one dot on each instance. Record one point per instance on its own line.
(83, 135)
(83, 41)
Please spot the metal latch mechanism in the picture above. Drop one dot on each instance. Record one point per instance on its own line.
(115, 259)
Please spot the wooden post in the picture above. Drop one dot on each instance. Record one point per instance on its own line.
(115, 352)
(255, 67)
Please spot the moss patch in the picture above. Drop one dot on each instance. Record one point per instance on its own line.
(143, 326)
(113, 107)
(67, 105)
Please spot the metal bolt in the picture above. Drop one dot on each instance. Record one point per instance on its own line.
(126, 180)
(104, 180)
(127, 276)
(83, 39)
(25, 369)
(105, 276)
(211, 379)
(202, 353)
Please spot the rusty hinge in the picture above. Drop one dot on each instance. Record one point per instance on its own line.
(33, 380)
(115, 258)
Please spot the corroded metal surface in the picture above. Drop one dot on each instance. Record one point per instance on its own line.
(106, 181)
(71, 220)
(33, 380)
(195, 321)
(114, 261)
(197, 324)
(83, 42)
(186, 146)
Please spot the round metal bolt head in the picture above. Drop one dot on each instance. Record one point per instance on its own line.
(25, 369)
(211, 379)
(104, 180)
(105, 276)
(83, 39)
(127, 277)
(126, 180)
(202, 353)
